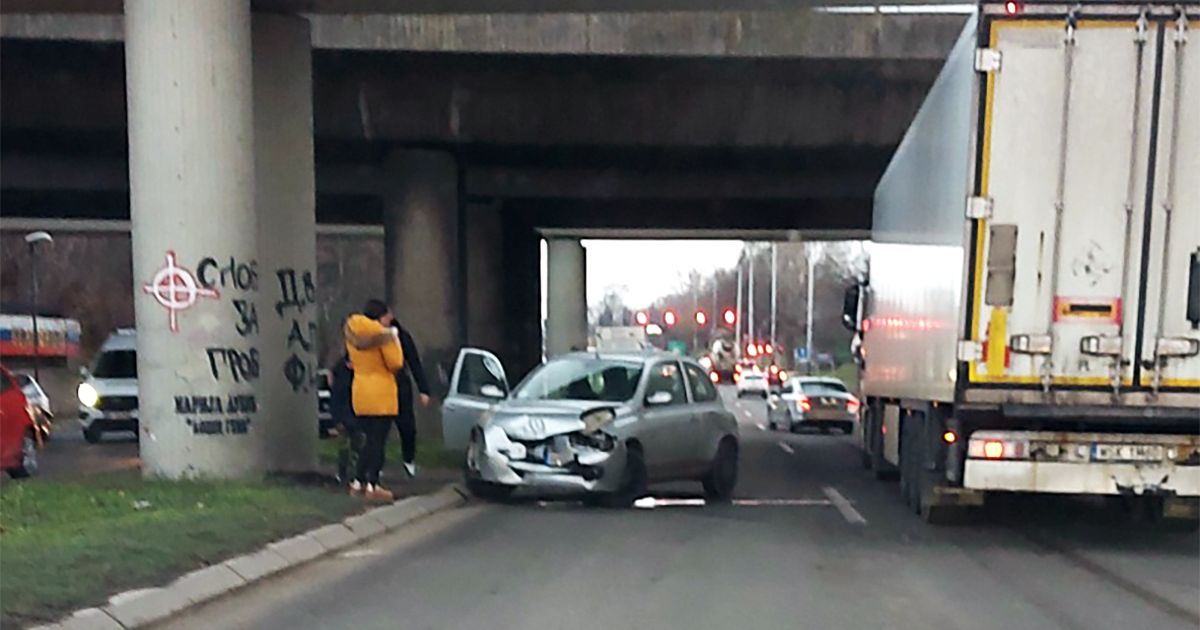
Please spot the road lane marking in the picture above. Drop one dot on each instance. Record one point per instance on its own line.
(360, 553)
(650, 503)
(787, 448)
(761, 426)
(848, 512)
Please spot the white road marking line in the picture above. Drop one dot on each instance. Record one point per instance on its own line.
(781, 502)
(359, 553)
(843, 505)
(650, 503)
(787, 448)
(761, 427)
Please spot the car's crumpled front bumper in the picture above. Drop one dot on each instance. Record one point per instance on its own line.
(570, 462)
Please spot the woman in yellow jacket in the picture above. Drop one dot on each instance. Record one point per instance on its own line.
(376, 356)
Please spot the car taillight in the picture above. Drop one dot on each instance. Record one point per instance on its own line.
(714, 377)
(804, 403)
(852, 405)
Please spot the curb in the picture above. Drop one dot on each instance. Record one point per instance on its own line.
(142, 607)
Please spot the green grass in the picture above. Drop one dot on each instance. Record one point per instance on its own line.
(430, 453)
(70, 544)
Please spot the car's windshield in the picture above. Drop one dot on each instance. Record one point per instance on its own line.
(822, 387)
(578, 378)
(116, 364)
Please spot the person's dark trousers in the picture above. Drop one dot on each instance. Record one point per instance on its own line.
(370, 460)
(406, 422)
(350, 444)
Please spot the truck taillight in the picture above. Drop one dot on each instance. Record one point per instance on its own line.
(1012, 7)
(993, 449)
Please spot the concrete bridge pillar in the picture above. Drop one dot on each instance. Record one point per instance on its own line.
(422, 260)
(191, 176)
(566, 296)
(287, 241)
(212, 371)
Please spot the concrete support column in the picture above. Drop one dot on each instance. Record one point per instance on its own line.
(566, 296)
(192, 177)
(422, 260)
(486, 277)
(287, 242)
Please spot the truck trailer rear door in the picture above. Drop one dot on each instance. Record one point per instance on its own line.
(1067, 113)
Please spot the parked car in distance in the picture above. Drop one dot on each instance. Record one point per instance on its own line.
(39, 402)
(18, 434)
(752, 383)
(603, 425)
(817, 401)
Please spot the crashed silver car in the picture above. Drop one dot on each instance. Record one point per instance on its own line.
(604, 425)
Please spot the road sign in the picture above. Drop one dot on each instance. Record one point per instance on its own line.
(677, 346)
(801, 354)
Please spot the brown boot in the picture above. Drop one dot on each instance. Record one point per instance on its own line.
(379, 494)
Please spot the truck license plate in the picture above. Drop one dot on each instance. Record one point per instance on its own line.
(1127, 452)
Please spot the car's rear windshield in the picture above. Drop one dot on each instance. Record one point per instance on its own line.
(577, 378)
(821, 387)
(116, 364)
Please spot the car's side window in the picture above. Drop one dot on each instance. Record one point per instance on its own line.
(5, 383)
(702, 388)
(665, 377)
(477, 372)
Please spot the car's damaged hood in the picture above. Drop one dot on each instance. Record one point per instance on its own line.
(540, 419)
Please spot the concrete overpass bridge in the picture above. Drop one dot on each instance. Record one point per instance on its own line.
(465, 135)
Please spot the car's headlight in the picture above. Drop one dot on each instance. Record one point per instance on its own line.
(593, 420)
(87, 395)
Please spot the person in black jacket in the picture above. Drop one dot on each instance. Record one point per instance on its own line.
(406, 422)
(341, 380)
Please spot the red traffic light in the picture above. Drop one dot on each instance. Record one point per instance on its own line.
(752, 350)
(670, 319)
(642, 318)
(729, 316)
(701, 318)
(770, 349)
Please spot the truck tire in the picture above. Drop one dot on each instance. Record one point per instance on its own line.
(873, 438)
(910, 486)
(92, 435)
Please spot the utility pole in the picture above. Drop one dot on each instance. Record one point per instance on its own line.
(737, 326)
(774, 285)
(750, 297)
(808, 319)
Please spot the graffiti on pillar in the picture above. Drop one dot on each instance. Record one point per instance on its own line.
(176, 289)
(298, 291)
(217, 415)
(238, 365)
(247, 317)
(235, 274)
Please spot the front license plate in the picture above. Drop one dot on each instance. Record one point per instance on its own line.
(1127, 452)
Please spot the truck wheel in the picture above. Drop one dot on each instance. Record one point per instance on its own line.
(909, 482)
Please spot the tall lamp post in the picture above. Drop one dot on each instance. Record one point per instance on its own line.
(32, 240)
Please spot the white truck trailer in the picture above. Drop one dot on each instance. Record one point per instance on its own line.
(1031, 319)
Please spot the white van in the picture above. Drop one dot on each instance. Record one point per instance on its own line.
(108, 395)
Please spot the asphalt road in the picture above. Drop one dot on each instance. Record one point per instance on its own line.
(815, 542)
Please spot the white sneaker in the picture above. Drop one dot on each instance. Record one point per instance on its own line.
(356, 488)
(411, 469)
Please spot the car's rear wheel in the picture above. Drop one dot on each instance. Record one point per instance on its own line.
(28, 465)
(92, 435)
(722, 475)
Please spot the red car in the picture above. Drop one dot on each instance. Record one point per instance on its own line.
(18, 435)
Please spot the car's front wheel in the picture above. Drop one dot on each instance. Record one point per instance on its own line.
(633, 481)
(722, 474)
(28, 465)
(92, 435)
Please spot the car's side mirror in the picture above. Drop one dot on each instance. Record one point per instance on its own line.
(491, 391)
(659, 398)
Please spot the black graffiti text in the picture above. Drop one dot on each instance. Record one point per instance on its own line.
(295, 294)
(239, 275)
(239, 365)
(247, 317)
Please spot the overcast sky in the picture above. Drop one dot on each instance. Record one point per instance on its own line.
(651, 269)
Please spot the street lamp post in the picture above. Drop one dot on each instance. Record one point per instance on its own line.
(32, 240)
(774, 282)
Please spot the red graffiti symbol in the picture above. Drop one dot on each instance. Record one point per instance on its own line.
(176, 289)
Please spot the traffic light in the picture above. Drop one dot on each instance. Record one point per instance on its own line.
(729, 316)
(701, 318)
(642, 318)
(752, 350)
(670, 319)
(770, 349)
